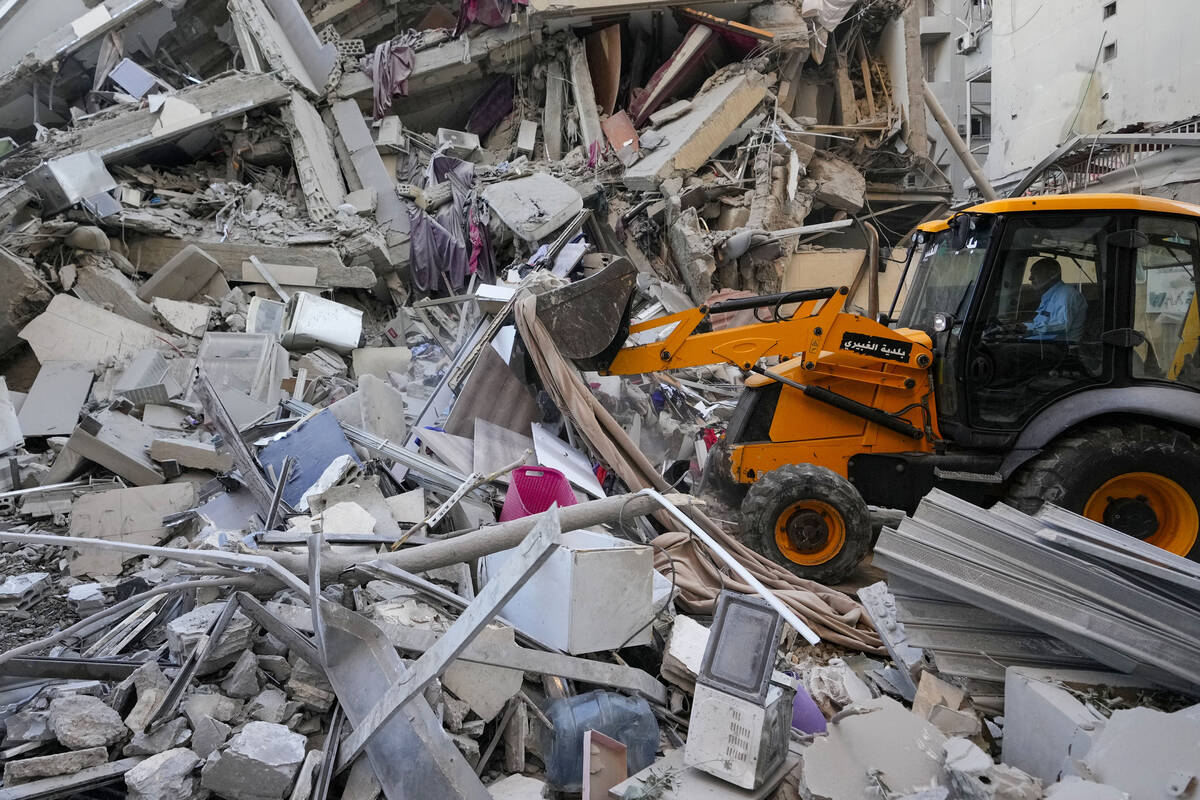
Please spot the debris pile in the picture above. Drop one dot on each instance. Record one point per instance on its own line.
(303, 494)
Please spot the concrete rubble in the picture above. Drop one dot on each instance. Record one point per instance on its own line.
(295, 504)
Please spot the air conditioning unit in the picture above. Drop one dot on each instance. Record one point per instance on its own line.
(968, 43)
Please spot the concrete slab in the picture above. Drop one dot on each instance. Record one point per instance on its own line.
(108, 287)
(183, 276)
(483, 687)
(1149, 753)
(58, 393)
(125, 515)
(71, 329)
(376, 407)
(535, 206)
(684, 652)
(694, 138)
(1046, 727)
(883, 737)
(191, 453)
(182, 317)
(120, 445)
(379, 361)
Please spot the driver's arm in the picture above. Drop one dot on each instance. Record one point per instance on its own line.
(1053, 318)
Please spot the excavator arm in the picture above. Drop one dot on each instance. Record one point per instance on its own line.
(818, 331)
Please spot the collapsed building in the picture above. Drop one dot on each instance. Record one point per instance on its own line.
(300, 498)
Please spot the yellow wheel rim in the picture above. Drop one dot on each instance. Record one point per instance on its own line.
(810, 532)
(1133, 496)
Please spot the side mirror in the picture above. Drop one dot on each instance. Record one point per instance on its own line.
(1130, 239)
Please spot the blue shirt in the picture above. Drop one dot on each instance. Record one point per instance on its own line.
(1059, 316)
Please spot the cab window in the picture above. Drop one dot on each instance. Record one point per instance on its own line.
(1164, 302)
(1038, 331)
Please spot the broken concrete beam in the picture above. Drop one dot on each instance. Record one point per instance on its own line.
(167, 776)
(192, 454)
(110, 288)
(124, 515)
(149, 252)
(585, 98)
(287, 40)
(68, 763)
(25, 296)
(316, 163)
(552, 114)
(694, 138)
(1049, 723)
(183, 276)
(447, 65)
(369, 167)
(119, 444)
(71, 329)
(260, 763)
(60, 389)
(839, 183)
(285, 274)
(81, 721)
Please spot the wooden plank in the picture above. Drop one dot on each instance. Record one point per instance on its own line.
(865, 65)
(151, 252)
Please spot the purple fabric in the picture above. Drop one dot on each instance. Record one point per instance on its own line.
(491, 107)
(806, 716)
(434, 252)
(490, 13)
(447, 247)
(388, 67)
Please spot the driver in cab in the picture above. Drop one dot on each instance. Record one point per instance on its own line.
(1062, 309)
(1061, 312)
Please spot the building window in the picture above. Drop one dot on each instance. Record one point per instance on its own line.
(1110, 9)
(1110, 51)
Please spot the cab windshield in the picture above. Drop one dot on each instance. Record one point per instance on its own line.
(945, 276)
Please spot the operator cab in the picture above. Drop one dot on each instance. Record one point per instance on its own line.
(1031, 300)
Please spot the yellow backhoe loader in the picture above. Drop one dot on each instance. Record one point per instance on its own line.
(1048, 349)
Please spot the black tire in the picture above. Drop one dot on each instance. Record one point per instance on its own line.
(811, 529)
(1074, 468)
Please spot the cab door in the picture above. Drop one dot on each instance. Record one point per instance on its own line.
(1033, 340)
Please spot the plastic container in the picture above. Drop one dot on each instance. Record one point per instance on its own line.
(532, 490)
(629, 720)
(806, 715)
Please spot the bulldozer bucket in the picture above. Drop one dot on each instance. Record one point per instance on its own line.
(589, 319)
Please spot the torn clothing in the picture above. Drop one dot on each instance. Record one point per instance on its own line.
(388, 68)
